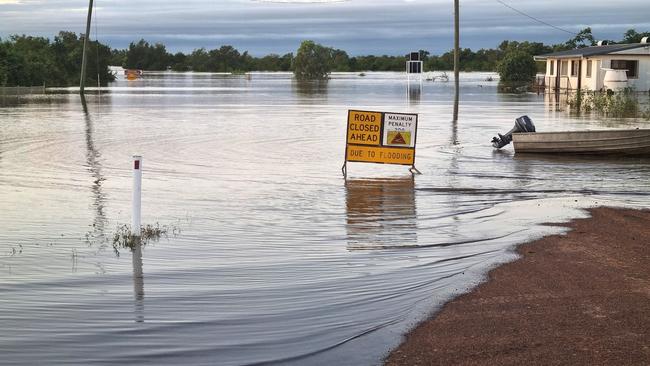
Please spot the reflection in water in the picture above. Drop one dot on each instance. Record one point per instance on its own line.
(522, 175)
(454, 121)
(100, 221)
(310, 88)
(95, 167)
(12, 101)
(592, 160)
(138, 282)
(452, 177)
(454, 132)
(555, 102)
(414, 92)
(456, 98)
(381, 213)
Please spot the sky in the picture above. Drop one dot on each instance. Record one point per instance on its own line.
(360, 27)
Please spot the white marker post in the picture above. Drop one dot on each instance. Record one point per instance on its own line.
(137, 193)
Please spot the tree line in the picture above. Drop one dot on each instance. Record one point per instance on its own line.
(147, 56)
(32, 61)
(29, 61)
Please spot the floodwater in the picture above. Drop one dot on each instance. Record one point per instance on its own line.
(271, 256)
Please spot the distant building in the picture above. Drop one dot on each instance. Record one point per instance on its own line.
(585, 68)
(414, 65)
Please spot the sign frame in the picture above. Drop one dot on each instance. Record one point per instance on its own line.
(381, 145)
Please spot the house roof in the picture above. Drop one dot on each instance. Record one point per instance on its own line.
(592, 51)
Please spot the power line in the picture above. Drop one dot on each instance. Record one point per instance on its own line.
(535, 19)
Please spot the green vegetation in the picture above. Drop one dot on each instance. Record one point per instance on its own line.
(584, 38)
(517, 66)
(312, 62)
(228, 59)
(631, 36)
(143, 55)
(124, 238)
(154, 57)
(624, 103)
(32, 61)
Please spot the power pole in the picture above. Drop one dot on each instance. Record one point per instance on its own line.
(84, 59)
(456, 57)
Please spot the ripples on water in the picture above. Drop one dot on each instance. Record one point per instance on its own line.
(279, 258)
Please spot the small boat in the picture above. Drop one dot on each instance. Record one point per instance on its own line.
(589, 142)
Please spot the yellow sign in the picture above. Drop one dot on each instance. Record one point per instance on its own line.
(364, 128)
(385, 155)
(378, 137)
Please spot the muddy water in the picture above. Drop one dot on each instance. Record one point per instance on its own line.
(270, 256)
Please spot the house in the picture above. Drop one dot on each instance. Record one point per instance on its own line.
(584, 68)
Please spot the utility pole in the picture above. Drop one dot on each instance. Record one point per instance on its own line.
(84, 59)
(456, 58)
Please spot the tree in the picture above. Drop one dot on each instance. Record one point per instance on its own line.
(517, 66)
(118, 58)
(198, 60)
(583, 39)
(145, 56)
(179, 62)
(223, 59)
(340, 60)
(631, 36)
(273, 62)
(4, 63)
(68, 50)
(30, 61)
(312, 62)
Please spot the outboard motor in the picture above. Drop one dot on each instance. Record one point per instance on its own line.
(522, 124)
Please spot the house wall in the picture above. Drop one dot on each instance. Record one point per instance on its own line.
(595, 82)
(566, 81)
(640, 83)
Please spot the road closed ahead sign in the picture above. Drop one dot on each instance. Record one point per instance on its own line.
(380, 137)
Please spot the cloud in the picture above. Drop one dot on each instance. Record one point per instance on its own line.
(358, 26)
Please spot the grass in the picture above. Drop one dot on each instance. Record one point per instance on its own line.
(124, 238)
(622, 104)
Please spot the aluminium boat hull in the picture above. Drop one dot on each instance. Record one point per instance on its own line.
(599, 142)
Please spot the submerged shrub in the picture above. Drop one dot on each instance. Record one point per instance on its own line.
(125, 238)
(517, 66)
(624, 103)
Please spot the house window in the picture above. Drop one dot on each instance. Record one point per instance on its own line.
(564, 68)
(632, 67)
(574, 68)
(552, 68)
(589, 68)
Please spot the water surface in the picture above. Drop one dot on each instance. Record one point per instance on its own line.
(271, 257)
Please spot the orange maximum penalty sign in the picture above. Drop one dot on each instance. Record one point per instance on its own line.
(381, 137)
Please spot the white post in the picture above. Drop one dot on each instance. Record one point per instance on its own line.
(137, 193)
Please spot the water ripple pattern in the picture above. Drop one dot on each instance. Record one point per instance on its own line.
(271, 256)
